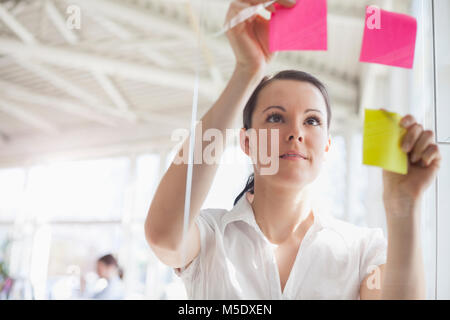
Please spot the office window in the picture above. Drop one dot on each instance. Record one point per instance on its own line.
(147, 180)
(74, 250)
(12, 181)
(78, 191)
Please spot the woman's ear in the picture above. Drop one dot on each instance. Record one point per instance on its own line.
(327, 146)
(244, 141)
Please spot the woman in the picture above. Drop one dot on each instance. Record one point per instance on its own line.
(274, 244)
(108, 269)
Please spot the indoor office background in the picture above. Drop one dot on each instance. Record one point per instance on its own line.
(86, 117)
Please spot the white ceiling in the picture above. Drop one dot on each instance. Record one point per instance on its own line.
(127, 74)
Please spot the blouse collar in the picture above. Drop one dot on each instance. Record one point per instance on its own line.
(243, 211)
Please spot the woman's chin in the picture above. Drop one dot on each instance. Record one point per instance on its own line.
(292, 179)
(291, 176)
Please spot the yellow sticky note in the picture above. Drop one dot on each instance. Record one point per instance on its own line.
(382, 141)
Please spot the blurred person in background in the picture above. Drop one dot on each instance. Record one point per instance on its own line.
(108, 269)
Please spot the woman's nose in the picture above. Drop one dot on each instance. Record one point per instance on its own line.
(299, 137)
(297, 134)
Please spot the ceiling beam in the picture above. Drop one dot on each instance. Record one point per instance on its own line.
(60, 23)
(20, 113)
(111, 26)
(125, 35)
(112, 91)
(12, 156)
(82, 141)
(16, 26)
(41, 71)
(26, 95)
(137, 42)
(146, 21)
(104, 115)
(4, 138)
(134, 16)
(16, 7)
(85, 61)
(197, 25)
(70, 88)
(57, 80)
(167, 120)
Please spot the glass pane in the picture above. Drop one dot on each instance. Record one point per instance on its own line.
(146, 276)
(12, 182)
(349, 189)
(230, 179)
(442, 27)
(330, 184)
(442, 53)
(147, 179)
(73, 254)
(6, 276)
(5, 241)
(79, 191)
(443, 259)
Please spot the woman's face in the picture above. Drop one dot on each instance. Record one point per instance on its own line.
(298, 110)
(103, 270)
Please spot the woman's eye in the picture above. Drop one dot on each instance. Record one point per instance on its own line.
(275, 117)
(313, 121)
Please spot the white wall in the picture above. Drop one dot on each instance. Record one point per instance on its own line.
(442, 61)
(421, 105)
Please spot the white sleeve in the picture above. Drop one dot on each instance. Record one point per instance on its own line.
(373, 252)
(206, 236)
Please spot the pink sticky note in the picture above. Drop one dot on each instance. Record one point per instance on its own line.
(302, 27)
(389, 38)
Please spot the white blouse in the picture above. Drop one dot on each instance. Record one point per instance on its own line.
(236, 261)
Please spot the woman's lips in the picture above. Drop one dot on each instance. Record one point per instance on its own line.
(294, 154)
(292, 158)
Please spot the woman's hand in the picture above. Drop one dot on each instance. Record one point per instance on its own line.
(249, 40)
(424, 158)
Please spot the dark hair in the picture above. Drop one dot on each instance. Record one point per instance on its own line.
(251, 104)
(109, 260)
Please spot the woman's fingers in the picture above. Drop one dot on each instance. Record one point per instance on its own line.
(408, 139)
(271, 8)
(431, 154)
(426, 138)
(238, 5)
(411, 137)
(246, 39)
(285, 3)
(255, 2)
(406, 121)
(262, 34)
(419, 143)
(235, 8)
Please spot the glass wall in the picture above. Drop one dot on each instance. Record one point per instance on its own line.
(442, 65)
(73, 212)
(58, 217)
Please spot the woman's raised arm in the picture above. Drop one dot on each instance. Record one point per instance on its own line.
(164, 223)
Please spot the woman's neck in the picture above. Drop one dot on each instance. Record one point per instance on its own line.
(282, 215)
